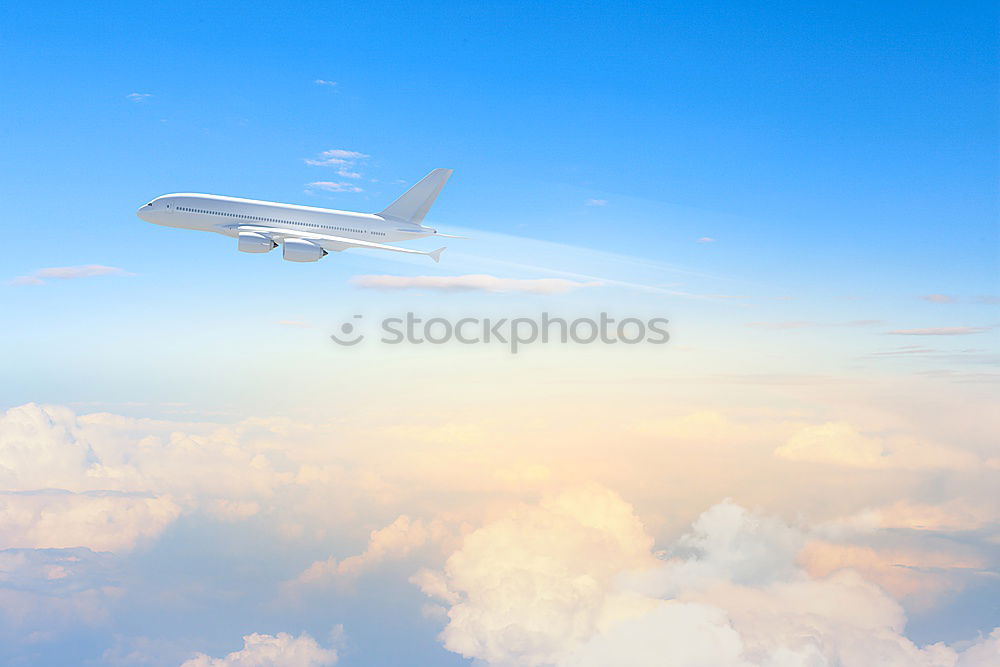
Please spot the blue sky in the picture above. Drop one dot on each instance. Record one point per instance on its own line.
(809, 193)
(831, 153)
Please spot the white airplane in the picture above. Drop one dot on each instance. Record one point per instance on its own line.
(306, 233)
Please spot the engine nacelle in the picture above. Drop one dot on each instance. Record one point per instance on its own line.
(254, 242)
(300, 250)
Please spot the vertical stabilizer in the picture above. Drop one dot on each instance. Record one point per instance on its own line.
(415, 202)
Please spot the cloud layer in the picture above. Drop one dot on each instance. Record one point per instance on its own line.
(574, 581)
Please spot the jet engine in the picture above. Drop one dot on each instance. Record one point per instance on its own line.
(254, 242)
(300, 250)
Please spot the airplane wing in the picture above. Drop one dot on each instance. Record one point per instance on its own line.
(331, 242)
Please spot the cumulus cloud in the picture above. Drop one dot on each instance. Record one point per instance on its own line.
(69, 273)
(107, 482)
(100, 521)
(138, 97)
(526, 587)
(939, 331)
(840, 443)
(325, 82)
(476, 282)
(333, 186)
(574, 581)
(395, 541)
(119, 481)
(261, 650)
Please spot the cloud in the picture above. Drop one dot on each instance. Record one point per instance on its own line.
(706, 239)
(790, 324)
(138, 97)
(939, 298)
(394, 542)
(988, 300)
(331, 186)
(44, 591)
(69, 273)
(261, 650)
(280, 477)
(336, 157)
(345, 162)
(839, 443)
(107, 482)
(102, 522)
(325, 82)
(596, 202)
(574, 581)
(939, 331)
(477, 282)
(802, 324)
(525, 587)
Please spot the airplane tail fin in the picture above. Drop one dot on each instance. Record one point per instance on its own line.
(436, 254)
(415, 202)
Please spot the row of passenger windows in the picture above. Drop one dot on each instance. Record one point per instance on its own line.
(258, 218)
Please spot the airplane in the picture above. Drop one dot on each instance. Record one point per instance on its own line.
(306, 233)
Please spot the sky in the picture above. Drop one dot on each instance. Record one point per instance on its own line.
(193, 473)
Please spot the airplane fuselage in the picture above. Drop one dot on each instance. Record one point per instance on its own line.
(226, 215)
(306, 233)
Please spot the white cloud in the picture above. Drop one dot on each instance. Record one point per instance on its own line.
(102, 522)
(138, 97)
(69, 273)
(480, 282)
(395, 541)
(345, 162)
(939, 331)
(332, 186)
(939, 298)
(325, 82)
(596, 202)
(840, 443)
(107, 482)
(335, 157)
(525, 588)
(574, 581)
(261, 650)
(706, 239)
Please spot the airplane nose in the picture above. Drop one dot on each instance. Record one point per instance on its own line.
(144, 212)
